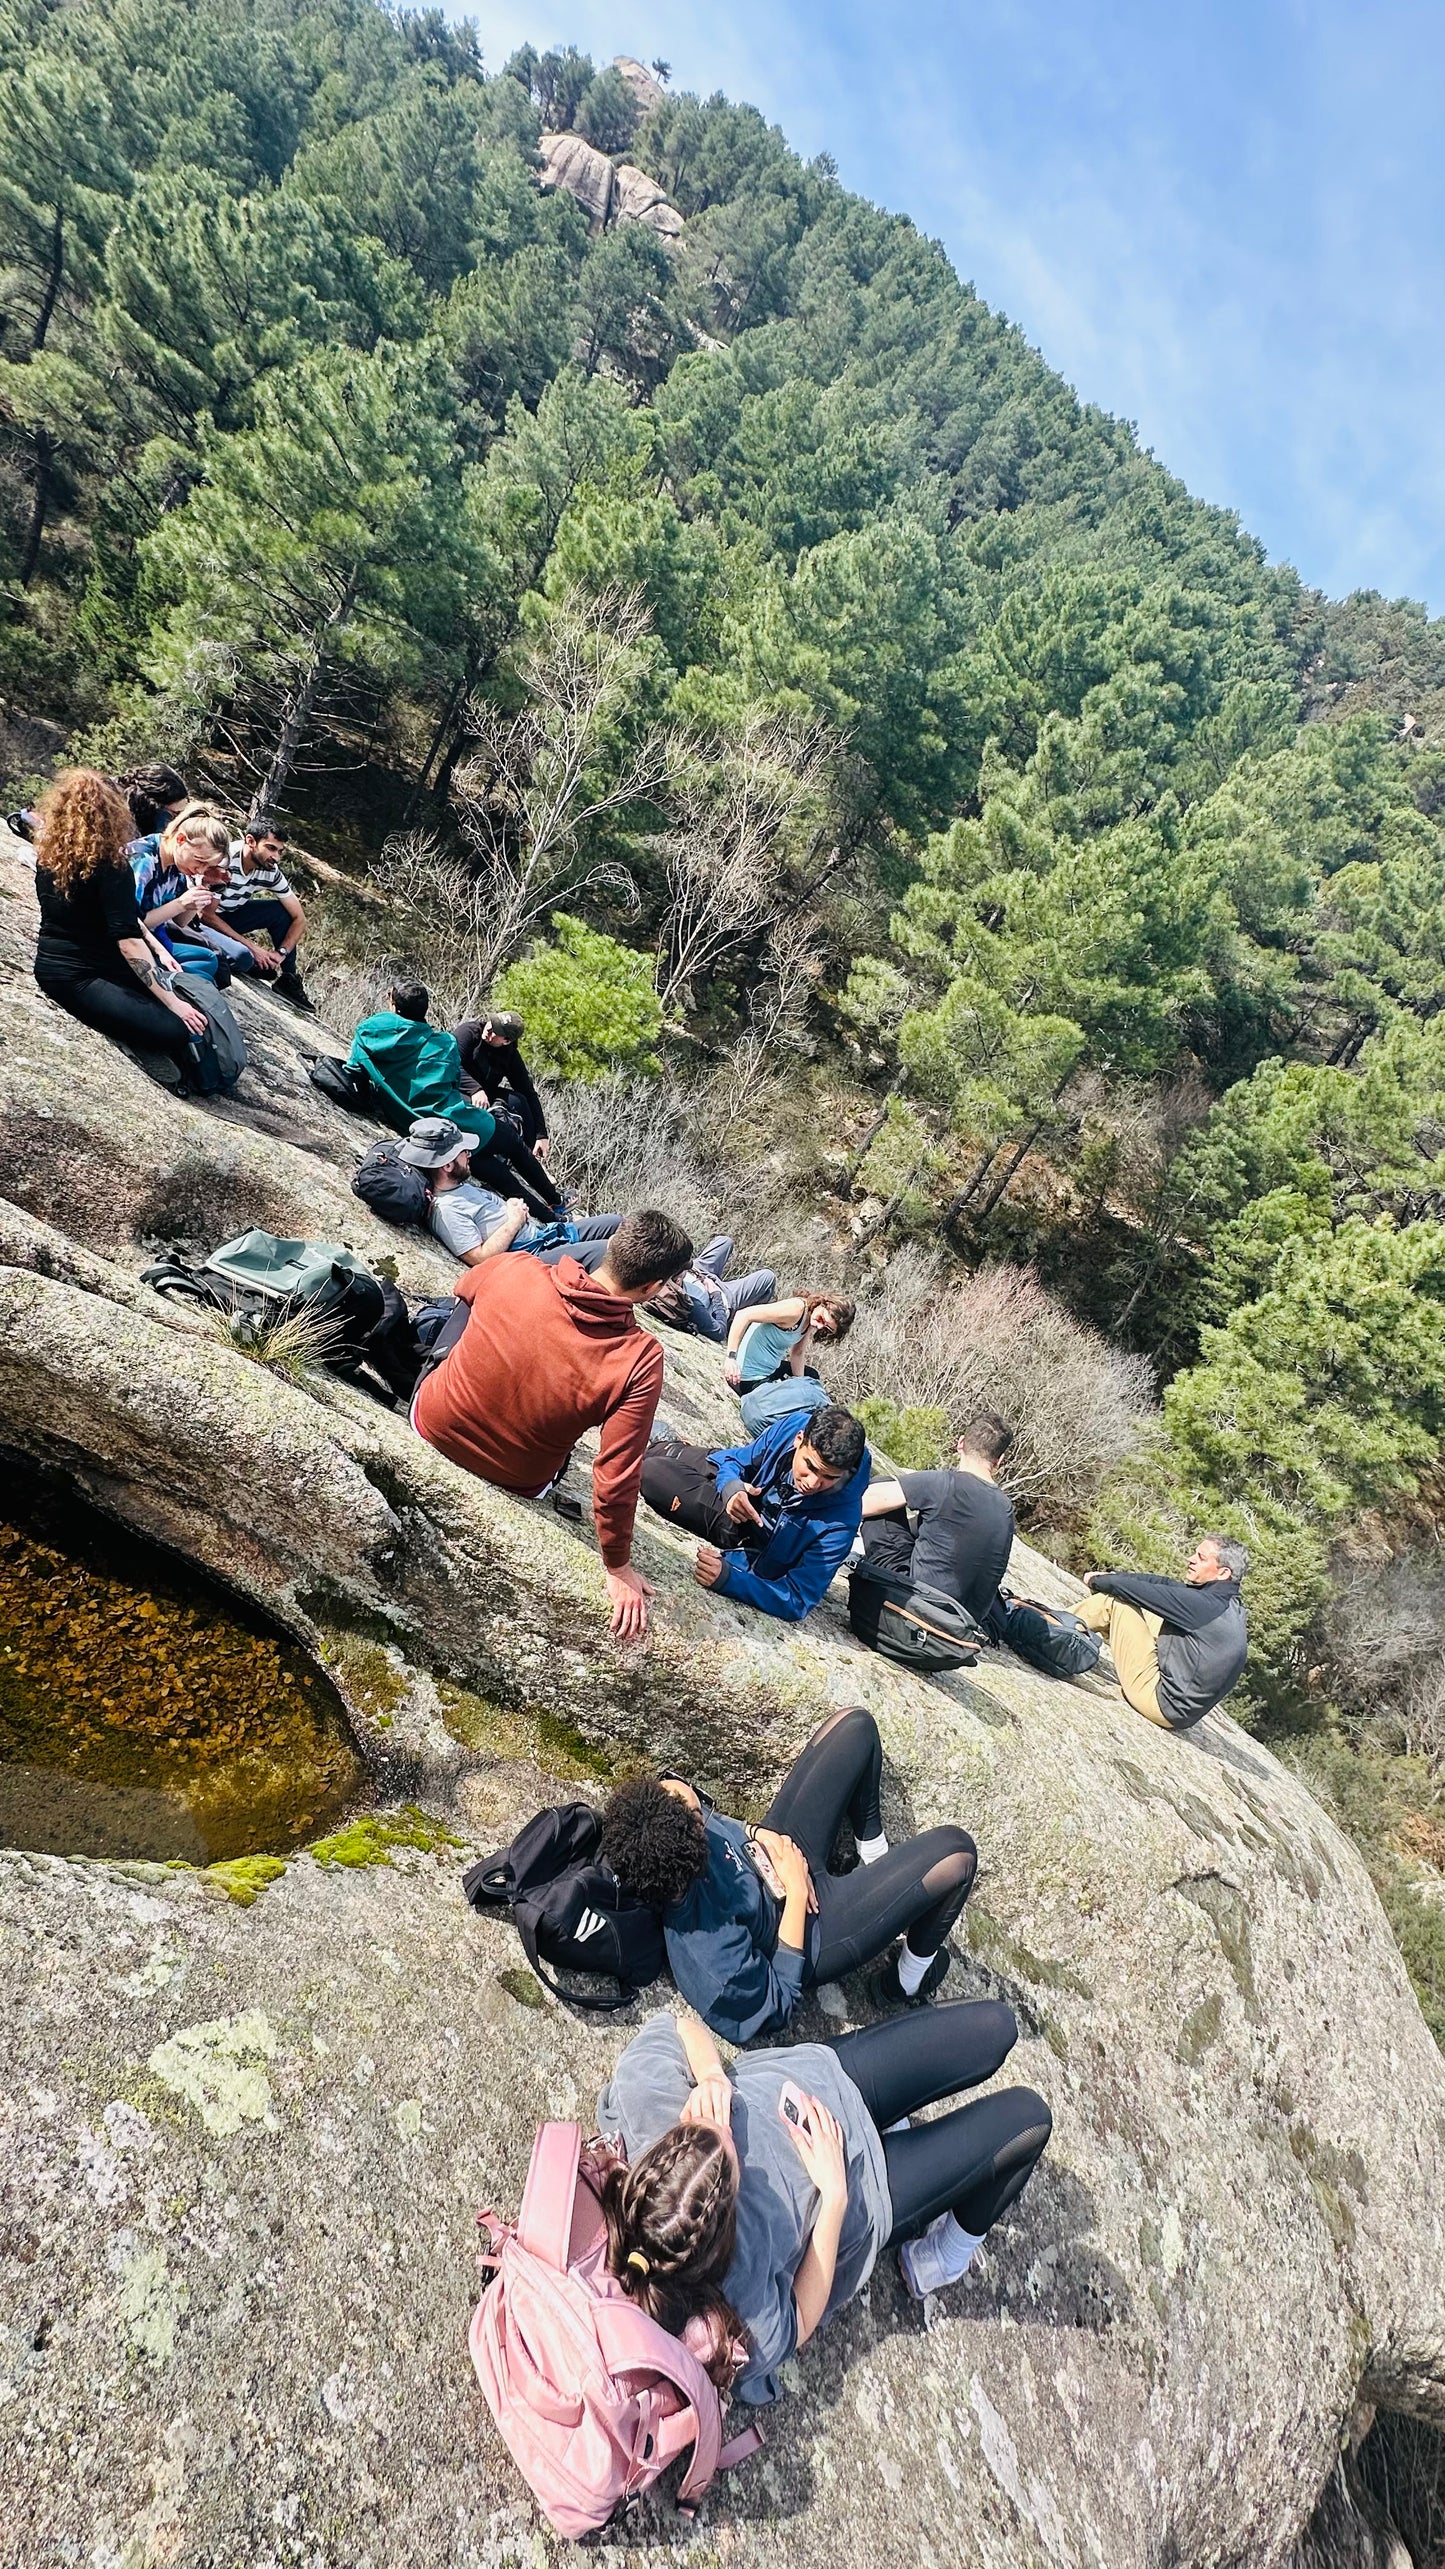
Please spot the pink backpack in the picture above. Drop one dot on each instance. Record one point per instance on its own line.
(591, 2398)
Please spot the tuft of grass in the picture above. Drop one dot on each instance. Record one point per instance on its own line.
(292, 1346)
(370, 1839)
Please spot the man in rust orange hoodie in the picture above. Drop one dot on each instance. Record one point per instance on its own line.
(544, 1354)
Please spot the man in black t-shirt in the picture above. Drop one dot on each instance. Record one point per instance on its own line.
(952, 1530)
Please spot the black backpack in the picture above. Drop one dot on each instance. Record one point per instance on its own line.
(919, 1627)
(344, 1085)
(569, 1908)
(390, 1188)
(1056, 1642)
(252, 1278)
(670, 1305)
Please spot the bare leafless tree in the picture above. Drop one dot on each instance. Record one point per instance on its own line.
(536, 786)
(777, 1013)
(737, 810)
(998, 1340)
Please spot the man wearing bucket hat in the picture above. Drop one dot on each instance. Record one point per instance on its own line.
(417, 1071)
(475, 1222)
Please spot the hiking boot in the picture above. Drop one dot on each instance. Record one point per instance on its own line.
(295, 991)
(888, 1991)
(941, 2257)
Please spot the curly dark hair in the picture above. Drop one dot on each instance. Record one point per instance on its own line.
(655, 1842)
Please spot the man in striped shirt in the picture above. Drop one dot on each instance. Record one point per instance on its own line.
(258, 895)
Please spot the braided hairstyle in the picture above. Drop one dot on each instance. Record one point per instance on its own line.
(671, 2227)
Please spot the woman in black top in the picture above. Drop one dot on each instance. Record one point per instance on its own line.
(94, 956)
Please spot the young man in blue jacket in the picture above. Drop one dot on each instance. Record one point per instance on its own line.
(777, 1517)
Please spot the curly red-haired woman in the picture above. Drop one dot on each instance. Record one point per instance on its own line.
(94, 955)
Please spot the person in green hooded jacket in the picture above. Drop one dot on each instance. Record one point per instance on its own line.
(417, 1070)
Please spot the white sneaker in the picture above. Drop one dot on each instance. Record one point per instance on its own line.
(941, 2257)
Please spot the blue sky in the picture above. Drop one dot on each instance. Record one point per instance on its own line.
(1225, 222)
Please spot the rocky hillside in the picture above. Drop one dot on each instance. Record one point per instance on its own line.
(245, 2140)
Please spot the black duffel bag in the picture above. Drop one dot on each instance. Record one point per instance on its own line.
(919, 1627)
(569, 1908)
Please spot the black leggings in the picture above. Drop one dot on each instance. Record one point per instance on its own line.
(918, 1888)
(129, 1014)
(508, 1168)
(972, 2162)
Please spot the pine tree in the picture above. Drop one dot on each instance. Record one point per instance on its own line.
(325, 549)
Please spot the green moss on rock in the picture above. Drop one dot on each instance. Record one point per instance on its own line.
(522, 1986)
(994, 1944)
(370, 1676)
(372, 1838)
(542, 1739)
(244, 1877)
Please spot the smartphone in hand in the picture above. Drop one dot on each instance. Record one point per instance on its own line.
(793, 2107)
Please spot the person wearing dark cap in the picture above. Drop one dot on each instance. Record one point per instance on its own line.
(418, 1071)
(495, 1071)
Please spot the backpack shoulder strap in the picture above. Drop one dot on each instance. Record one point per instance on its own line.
(633, 2343)
(544, 2225)
(488, 1885)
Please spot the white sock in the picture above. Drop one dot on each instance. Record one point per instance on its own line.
(870, 1849)
(956, 2246)
(911, 1970)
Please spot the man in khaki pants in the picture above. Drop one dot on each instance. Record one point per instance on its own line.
(1178, 1645)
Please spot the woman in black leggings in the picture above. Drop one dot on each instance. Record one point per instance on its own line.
(753, 1917)
(93, 955)
(758, 2200)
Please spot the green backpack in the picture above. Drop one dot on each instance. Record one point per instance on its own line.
(264, 1279)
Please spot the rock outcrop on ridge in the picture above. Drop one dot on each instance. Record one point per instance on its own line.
(612, 191)
(244, 2144)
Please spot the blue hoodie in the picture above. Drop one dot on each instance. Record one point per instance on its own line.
(722, 1942)
(810, 1534)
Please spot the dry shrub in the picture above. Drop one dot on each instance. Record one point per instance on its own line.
(1385, 1633)
(1401, 2465)
(1349, 2528)
(620, 1143)
(998, 1340)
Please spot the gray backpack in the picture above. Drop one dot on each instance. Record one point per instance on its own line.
(227, 1045)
